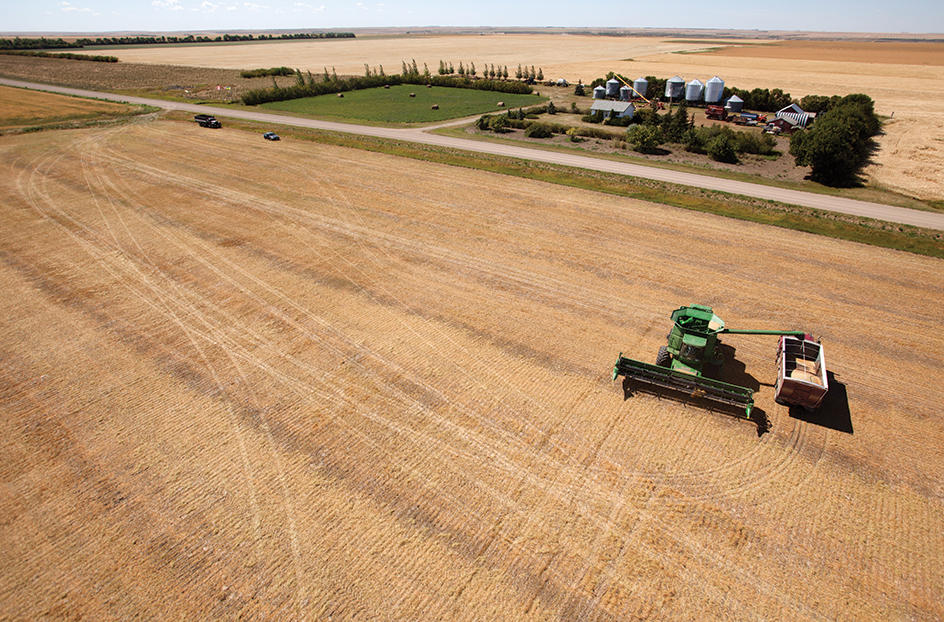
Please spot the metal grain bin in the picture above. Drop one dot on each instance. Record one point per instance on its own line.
(612, 87)
(674, 88)
(714, 90)
(694, 90)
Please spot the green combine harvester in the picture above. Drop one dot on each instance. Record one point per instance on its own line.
(692, 344)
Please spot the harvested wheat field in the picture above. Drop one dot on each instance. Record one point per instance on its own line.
(905, 78)
(293, 381)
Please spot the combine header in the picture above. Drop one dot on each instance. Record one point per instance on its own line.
(692, 344)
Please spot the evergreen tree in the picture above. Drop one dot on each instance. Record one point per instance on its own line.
(676, 125)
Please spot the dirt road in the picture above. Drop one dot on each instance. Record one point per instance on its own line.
(243, 379)
(834, 204)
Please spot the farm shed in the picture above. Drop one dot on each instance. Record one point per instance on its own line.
(783, 125)
(610, 108)
(796, 115)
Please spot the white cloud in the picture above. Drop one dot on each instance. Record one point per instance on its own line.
(255, 8)
(68, 8)
(170, 5)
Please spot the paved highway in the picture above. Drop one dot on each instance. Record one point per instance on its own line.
(877, 211)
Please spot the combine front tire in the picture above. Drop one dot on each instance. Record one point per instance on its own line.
(662, 358)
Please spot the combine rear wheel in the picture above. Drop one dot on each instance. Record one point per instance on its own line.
(662, 358)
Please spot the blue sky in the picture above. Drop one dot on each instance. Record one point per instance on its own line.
(915, 16)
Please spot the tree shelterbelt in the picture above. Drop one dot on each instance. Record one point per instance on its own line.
(839, 143)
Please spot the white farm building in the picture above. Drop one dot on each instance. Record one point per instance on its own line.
(613, 108)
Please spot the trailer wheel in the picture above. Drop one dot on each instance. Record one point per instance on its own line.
(662, 358)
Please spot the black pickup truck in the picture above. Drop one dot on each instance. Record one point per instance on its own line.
(206, 120)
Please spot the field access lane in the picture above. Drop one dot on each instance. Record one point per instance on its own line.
(877, 211)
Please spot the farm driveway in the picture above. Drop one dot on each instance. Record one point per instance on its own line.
(833, 204)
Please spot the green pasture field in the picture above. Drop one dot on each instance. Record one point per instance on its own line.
(394, 105)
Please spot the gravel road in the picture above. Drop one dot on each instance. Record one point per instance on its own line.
(877, 211)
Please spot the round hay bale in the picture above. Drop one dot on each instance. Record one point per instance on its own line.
(429, 86)
(501, 104)
(340, 94)
(386, 86)
(435, 107)
(412, 94)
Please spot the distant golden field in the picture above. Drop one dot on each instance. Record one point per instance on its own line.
(906, 79)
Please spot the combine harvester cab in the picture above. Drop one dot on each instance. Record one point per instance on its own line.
(801, 372)
(692, 344)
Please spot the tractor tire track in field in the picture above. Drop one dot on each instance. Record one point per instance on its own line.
(733, 479)
(415, 384)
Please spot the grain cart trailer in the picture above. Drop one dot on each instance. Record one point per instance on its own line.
(801, 372)
(693, 344)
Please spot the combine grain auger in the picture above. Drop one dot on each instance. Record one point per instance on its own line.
(692, 344)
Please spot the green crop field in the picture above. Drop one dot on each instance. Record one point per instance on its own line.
(394, 105)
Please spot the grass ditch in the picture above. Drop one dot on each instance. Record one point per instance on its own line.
(905, 238)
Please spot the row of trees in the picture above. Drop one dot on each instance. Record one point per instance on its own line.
(36, 44)
(66, 55)
(142, 40)
(43, 43)
(491, 71)
(761, 100)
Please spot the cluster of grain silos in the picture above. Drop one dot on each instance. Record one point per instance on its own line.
(676, 89)
(616, 89)
(695, 91)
